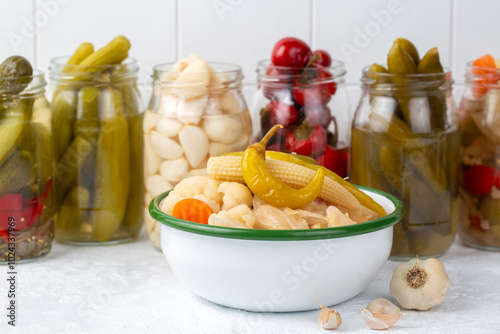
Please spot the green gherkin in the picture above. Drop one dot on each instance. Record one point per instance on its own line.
(14, 115)
(112, 176)
(17, 172)
(420, 154)
(406, 182)
(15, 74)
(63, 118)
(430, 63)
(68, 217)
(409, 48)
(134, 214)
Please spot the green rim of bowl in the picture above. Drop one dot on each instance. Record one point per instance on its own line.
(282, 235)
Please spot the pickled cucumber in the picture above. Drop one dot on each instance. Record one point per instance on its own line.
(404, 179)
(64, 107)
(38, 141)
(68, 167)
(17, 172)
(15, 74)
(421, 153)
(134, 214)
(14, 115)
(112, 177)
(87, 126)
(68, 217)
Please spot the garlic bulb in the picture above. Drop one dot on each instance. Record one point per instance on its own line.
(329, 318)
(381, 314)
(419, 284)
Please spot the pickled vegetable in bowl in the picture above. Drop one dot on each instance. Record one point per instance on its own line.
(227, 231)
(256, 189)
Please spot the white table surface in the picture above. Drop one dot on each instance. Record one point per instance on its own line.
(129, 288)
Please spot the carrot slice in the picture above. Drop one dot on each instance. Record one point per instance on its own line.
(485, 61)
(192, 209)
(485, 67)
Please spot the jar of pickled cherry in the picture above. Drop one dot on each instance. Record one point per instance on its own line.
(197, 110)
(312, 105)
(479, 112)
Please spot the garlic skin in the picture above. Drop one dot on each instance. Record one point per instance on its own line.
(329, 318)
(419, 284)
(381, 314)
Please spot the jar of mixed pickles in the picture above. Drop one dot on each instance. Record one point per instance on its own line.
(97, 127)
(480, 165)
(405, 141)
(197, 110)
(26, 158)
(312, 105)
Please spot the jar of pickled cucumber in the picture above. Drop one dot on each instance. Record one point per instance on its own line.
(197, 111)
(26, 159)
(479, 112)
(405, 141)
(312, 105)
(97, 129)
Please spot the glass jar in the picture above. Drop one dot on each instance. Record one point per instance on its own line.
(186, 123)
(26, 174)
(312, 105)
(97, 126)
(479, 112)
(405, 141)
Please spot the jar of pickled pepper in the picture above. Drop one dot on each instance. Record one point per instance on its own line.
(26, 159)
(97, 123)
(479, 112)
(197, 111)
(405, 141)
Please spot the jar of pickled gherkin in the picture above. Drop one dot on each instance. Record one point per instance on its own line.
(197, 111)
(26, 158)
(479, 112)
(97, 129)
(312, 105)
(405, 141)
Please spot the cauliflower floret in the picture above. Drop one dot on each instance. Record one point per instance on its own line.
(199, 185)
(335, 217)
(203, 188)
(241, 216)
(234, 194)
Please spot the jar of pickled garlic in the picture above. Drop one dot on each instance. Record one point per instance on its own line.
(479, 112)
(97, 120)
(405, 141)
(197, 111)
(312, 105)
(26, 160)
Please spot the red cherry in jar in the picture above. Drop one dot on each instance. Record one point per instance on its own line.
(324, 58)
(290, 52)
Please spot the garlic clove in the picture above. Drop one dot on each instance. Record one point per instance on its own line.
(190, 111)
(193, 80)
(381, 314)
(382, 306)
(164, 146)
(329, 318)
(194, 142)
(419, 284)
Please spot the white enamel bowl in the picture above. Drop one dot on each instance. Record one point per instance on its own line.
(278, 270)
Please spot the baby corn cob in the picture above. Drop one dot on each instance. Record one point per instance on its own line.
(228, 168)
